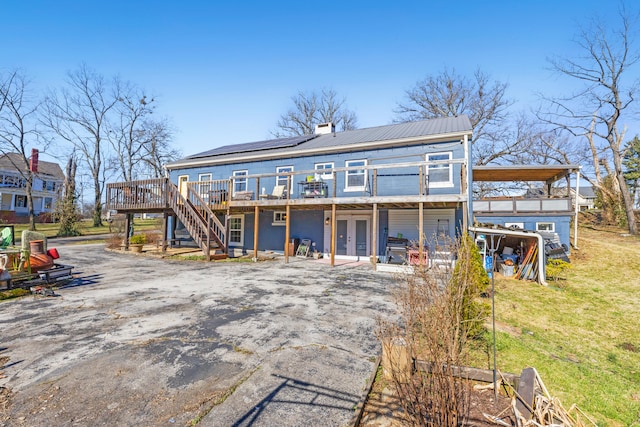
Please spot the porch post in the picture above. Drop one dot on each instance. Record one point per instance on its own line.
(333, 234)
(165, 230)
(255, 232)
(287, 236)
(420, 231)
(127, 227)
(374, 235)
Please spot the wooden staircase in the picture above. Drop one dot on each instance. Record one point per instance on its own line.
(199, 220)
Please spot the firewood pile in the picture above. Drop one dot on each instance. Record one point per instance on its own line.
(533, 406)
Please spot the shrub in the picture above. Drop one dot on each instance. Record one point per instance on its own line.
(439, 312)
(556, 269)
(138, 239)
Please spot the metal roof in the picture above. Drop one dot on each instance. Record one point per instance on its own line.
(545, 173)
(445, 127)
(254, 146)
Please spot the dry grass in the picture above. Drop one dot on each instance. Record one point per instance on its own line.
(582, 334)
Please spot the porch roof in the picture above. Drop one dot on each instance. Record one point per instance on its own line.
(544, 173)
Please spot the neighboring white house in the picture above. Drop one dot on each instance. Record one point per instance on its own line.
(46, 188)
(586, 198)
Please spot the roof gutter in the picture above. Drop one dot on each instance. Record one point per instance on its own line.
(541, 263)
(442, 137)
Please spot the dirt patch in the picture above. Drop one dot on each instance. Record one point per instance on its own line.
(383, 408)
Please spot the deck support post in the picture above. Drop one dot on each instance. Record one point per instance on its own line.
(174, 225)
(287, 232)
(256, 222)
(374, 235)
(127, 230)
(165, 231)
(333, 234)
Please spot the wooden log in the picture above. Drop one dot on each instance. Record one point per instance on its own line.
(526, 389)
(473, 374)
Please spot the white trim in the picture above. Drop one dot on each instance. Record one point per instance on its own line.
(553, 226)
(240, 172)
(440, 184)
(279, 179)
(205, 194)
(241, 242)
(183, 190)
(279, 222)
(347, 187)
(427, 139)
(323, 175)
(519, 225)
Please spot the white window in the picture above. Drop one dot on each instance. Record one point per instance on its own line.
(236, 230)
(519, 225)
(240, 184)
(205, 185)
(325, 171)
(441, 174)
(355, 179)
(546, 226)
(48, 203)
(279, 218)
(283, 179)
(21, 201)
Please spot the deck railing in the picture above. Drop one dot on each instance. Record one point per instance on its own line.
(520, 205)
(398, 179)
(148, 194)
(379, 180)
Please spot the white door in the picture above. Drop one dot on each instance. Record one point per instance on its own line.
(182, 185)
(353, 236)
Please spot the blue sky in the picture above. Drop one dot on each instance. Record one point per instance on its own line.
(223, 72)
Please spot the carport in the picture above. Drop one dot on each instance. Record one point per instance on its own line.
(547, 174)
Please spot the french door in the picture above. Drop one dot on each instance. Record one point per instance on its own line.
(353, 236)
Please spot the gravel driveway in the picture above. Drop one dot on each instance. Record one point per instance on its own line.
(142, 341)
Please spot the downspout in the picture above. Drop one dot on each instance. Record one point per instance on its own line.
(541, 262)
(469, 180)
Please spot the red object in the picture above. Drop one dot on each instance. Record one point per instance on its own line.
(53, 253)
(34, 160)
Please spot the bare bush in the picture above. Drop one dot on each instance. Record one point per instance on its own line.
(438, 315)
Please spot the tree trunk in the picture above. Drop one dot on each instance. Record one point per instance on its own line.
(628, 205)
(97, 210)
(30, 209)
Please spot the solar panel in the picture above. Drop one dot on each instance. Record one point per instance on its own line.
(255, 146)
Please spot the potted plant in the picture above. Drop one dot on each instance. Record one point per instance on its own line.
(136, 242)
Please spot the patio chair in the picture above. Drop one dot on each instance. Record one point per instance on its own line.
(277, 193)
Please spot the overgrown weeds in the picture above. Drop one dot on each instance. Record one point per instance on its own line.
(439, 314)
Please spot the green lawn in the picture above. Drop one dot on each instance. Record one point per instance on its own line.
(87, 228)
(581, 334)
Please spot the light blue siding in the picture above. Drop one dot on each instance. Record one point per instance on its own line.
(562, 223)
(402, 181)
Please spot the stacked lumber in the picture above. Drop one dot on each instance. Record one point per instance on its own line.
(533, 406)
(528, 268)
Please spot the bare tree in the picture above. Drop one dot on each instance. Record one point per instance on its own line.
(127, 133)
(78, 114)
(598, 110)
(18, 132)
(158, 151)
(484, 101)
(310, 109)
